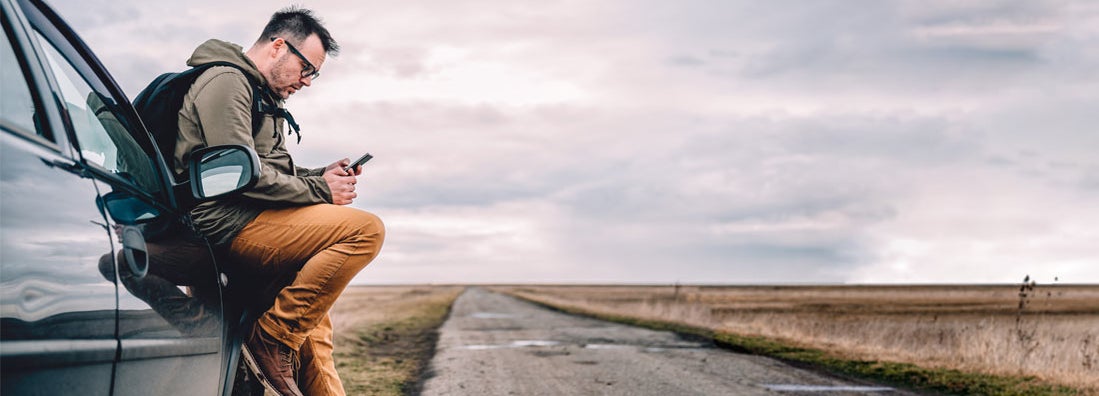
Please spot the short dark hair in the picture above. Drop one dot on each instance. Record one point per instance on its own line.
(298, 23)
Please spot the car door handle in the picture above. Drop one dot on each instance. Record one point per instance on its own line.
(135, 251)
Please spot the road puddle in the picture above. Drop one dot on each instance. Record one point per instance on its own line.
(825, 388)
(547, 343)
(645, 348)
(609, 346)
(491, 315)
(513, 344)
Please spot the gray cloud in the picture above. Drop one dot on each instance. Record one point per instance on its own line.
(702, 141)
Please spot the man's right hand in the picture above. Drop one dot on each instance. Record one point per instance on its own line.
(340, 183)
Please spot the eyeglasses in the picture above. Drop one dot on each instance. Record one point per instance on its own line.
(309, 71)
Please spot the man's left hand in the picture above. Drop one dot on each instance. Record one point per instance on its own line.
(341, 183)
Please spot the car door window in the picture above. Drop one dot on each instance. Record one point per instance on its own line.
(16, 104)
(103, 136)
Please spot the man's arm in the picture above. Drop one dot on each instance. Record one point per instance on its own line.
(310, 172)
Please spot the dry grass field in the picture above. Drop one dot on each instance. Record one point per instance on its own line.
(385, 335)
(1049, 332)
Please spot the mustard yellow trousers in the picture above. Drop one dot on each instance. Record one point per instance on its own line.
(326, 246)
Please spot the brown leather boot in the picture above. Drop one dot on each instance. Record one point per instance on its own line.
(272, 361)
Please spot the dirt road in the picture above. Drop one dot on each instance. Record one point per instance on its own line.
(497, 345)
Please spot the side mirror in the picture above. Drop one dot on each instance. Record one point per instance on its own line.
(222, 170)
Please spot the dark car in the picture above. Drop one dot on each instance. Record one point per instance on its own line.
(105, 289)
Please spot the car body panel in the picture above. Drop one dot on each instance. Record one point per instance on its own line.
(57, 312)
(93, 301)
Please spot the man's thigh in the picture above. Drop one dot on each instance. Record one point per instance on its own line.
(281, 240)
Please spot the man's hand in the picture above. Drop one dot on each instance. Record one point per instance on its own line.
(342, 184)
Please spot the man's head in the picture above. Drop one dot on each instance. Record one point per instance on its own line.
(290, 51)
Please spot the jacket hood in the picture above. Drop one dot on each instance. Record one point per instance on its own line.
(214, 50)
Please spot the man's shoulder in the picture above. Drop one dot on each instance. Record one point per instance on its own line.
(223, 74)
(222, 79)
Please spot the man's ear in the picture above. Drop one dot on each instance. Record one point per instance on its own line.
(273, 48)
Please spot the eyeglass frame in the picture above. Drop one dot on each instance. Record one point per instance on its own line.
(314, 74)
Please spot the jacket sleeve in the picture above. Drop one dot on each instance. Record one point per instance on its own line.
(310, 172)
(224, 110)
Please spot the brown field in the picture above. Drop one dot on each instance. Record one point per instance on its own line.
(385, 335)
(1050, 332)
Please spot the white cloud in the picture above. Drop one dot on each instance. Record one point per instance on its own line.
(980, 226)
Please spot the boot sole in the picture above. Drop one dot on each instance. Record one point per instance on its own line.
(254, 368)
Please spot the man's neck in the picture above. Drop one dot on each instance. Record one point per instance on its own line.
(256, 54)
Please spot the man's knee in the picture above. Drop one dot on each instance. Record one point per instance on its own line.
(369, 232)
(370, 223)
(358, 221)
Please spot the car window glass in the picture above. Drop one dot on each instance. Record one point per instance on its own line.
(104, 141)
(16, 105)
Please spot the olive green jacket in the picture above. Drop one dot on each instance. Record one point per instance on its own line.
(218, 110)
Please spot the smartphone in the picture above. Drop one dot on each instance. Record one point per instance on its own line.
(360, 161)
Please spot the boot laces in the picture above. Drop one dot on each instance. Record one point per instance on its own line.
(287, 356)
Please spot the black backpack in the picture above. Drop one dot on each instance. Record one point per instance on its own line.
(159, 103)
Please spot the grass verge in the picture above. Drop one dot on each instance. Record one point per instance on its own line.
(388, 356)
(901, 375)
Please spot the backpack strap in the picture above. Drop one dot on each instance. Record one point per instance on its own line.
(259, 106)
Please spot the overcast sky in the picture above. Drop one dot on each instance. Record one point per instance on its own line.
(689, 141)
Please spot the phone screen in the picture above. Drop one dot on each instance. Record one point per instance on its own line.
(360, 161)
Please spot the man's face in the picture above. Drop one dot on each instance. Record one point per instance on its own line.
(286, 74)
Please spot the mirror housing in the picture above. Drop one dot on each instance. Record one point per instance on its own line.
(127, 209)
(218, 171)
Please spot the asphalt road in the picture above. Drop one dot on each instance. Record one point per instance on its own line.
(497, 345)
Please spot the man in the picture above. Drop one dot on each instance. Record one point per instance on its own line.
(294, 224)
